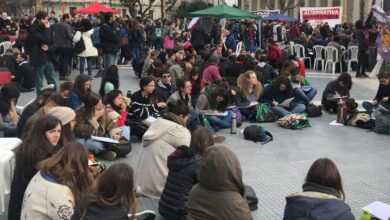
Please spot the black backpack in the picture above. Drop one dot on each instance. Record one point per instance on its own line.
(122, 148)
(257, 133)
(137, 128)
(313, 110)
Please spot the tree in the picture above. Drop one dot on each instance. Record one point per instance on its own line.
(187, 7)
(143, 11)
(361, 12)
(170, 5)
(130, 4)
(285, 5)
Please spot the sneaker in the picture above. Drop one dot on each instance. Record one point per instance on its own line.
(108, 155)
(218, 138)
(144, 215)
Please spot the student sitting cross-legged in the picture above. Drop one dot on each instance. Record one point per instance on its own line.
(304, 91)
(382, 96)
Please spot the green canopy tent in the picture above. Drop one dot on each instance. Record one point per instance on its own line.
(227, 12)
(224, 11)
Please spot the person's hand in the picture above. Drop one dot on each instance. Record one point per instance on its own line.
(123, 106)
(99, 111)
(47, 25)
(44, 47)
(337, 94)
(385, 99)
(374, 102)
(275, 103)
(161, 105)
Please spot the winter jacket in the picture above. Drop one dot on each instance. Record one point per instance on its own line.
(25, 75)
(97, 210)
(47, 200)
(28, 111)
(176, 97)
(87, 126)
(219, 193)
(21, 179)
(211, 74)
(274, 53)
(269, 95)
(267, 72)
(141, 108)
(74, 101)
(176, 72)
(363, 41)
(63, 36)
(37, 36)
(317, 202)
(160, 140)
(383, 91)
(31, 122)
(110, 41)
(183, 165)
(163, 91)
(198, 36)
(90, 50)
(331, 88)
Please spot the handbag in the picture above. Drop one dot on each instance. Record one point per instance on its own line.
(251, 197)
(265, 114)
(122, 148)
(79, 47)
(236, 111)
(294, 121)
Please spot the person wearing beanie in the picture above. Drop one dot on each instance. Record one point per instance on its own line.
(67, 116)
(211, 71)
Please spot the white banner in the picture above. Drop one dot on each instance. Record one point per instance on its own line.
(318, 15)
(266, 13)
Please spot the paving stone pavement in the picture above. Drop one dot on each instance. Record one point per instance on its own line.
(278, 168)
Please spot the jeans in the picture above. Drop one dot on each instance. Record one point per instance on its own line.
(65, 56)
(249, 46)
(368, 106)
(158, 44)
(134, 51)
(89, 65)
(305, 97)
(11, 131)
(44, 70)
(194, 121)
(125, 132)
(362, 63)
(108, 60)
(125, 53)
(220, 121)
(95, 147)
(294, 108)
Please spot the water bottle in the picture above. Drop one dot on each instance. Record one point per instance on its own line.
(233, 124)
(128, 94)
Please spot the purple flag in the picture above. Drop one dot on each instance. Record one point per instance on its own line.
(383, 41)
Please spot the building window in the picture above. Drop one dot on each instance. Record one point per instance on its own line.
(324, 3)
(254, 5)
(336, 3)
(263, 4)
(239, 4)
(312, 4)
(123, 12)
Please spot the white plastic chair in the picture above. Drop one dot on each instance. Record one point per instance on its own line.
(7, 161)
(299, 50)
(344, 50)
(238, 48)
(7, 44)
(353, 56)
(332, 57)
(318, 50)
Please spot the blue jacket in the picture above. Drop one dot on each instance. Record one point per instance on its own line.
(74, 100)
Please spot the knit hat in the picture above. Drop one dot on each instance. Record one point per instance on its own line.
(64, 114)
(214, 59)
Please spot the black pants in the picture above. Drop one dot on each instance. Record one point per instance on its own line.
(362, 63)
(65, 57)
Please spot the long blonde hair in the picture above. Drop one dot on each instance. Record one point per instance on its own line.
(245, 85)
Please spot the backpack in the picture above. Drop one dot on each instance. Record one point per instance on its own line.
(294, 121)
(257, 133)
(138, 128)
(313, 110)
(251, 197)
(95, 37)
(122, 148)
(382, 122)
(264, 113)
(158, 32)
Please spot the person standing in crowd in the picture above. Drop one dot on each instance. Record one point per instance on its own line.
(160, 140)
(183, 166)
(81, 88)
(25, 23)
(85, 33)
(336, 89)
(211, 71)
(5, 23)
(159, 33)
(150, 32)
(40, 47)
(63, 38)
(216, 32)
(323, 195)
(109, 40)
(44, 141)
(123, 35)
(8, 116)
(198, 37)
(219, 193)
(52, 19)
(362, 37)
(136, 39)
(61, 182)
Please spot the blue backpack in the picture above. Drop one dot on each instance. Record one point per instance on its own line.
(95, 37)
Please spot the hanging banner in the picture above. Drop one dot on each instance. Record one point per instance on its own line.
(266, 13)
(318, 15)
(383, 40)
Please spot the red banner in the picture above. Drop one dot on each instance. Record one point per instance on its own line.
(323, 14)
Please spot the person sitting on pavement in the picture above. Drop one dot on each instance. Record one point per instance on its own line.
(92, 120)
(9, 117)
(280, 95)
(24, 73)
(152, 56)
(81, 88)
(61, 181)
(334, 90)
(249, 92)
(211, 71)
(144, 101)
(44, 140)
(322, 195)
(160, 140)
(183, 166)
(110, 81)
(176, 69)
(219, 193)
(274, 54)
(214, 100)
(304, 91)
(165, 88)
(268, 73)
(382, 96)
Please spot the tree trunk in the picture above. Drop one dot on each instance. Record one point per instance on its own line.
(361, 13)
(162, 8)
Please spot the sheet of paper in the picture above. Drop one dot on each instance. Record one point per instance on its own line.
(216, 113)
(334, 123)
(378, 209)
(105, 139)
(250, 105)
(151, 119)
(286, 102)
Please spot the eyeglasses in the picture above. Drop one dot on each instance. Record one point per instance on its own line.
(166, 76)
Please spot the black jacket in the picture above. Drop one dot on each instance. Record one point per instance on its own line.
(37, 36)
(141, 108)
(163, 91)
(110, 41)
(183, 166)
(332, 88)
(317, 202)
(198, 36)
(97, 210)
(25, 75)
(28, 111)
(22, 177)
(383, 91)
(363, 43)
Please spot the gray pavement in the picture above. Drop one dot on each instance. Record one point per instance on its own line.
(278, 168)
